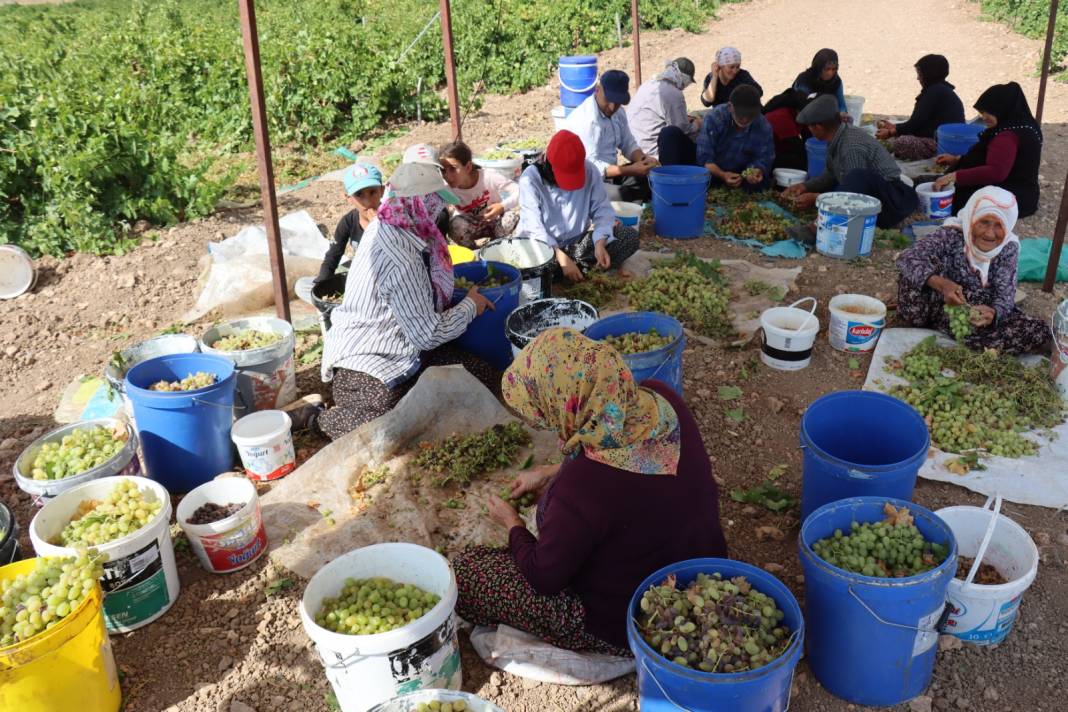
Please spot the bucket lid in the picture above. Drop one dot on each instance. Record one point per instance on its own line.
(846, 203)
(17, 274)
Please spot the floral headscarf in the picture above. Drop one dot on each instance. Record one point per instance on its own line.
(583, 390)
(417, 216)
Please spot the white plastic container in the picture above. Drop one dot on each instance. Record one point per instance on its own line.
(140, 580)
(983, 614)
(559, 115)
(232, 543)
(411, 702)
(857, 320)
(628, 213)
(935, 203)
(17, 273)
(264, 441)
(365, 670)
(266, 377)
(855, 108)
(1059, 359)
(788, 334)
(506, 167)
(785, 177)
(845, 224)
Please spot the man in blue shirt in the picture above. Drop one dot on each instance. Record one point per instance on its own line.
(736, 144)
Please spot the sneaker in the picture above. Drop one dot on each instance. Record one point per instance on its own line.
(304, 411)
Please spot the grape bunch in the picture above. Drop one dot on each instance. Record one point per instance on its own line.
(752, 220)
(192, 382)
(960, 323)
(460, 458)
(77, 452)
(122, 512)
(714, 624)
(636, 342)
(881, 549)
(527, 499)
(335, 298)
(498, 154)
(687, 288)
(246, 340)
(493, 278)
(375, 605)
(596, 289)
(463, 283)
(436, 706)
(750, 172)
(35, 601)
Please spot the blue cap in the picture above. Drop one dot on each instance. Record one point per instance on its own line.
(616, 85)
(360, 176)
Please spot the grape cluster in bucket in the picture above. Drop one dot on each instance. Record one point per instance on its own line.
(122, 512)
(246, 340)
(636, 342)
(192, 382)
(78, 452)
(374, 605)
(892, 548)
(33, 602)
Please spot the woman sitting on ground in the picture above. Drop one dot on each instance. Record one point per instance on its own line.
(781, 111)
(563, 202)
(657, 113)
(1007, 154)
(726, 76)
(936, 104)
(971, 260)
(635, 493)
(489, 202)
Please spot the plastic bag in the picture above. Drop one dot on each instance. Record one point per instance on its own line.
(1034, 256)
(525, 655)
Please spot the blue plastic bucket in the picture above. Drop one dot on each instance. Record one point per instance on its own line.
(679, 200)
(663, 364)
(873, 641)
(956, 139)
(816, 151)
(578, 79)
(185, 435)
(860, 443)
(485, 336)
(664, 686)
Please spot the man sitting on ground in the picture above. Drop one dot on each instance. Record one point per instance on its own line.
(736, 144)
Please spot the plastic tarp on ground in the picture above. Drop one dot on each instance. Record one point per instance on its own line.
(1040, 479)
(788, 248)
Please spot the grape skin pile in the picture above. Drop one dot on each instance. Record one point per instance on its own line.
(687, 288)
(636, 342)
(35, 601)
(246, 340)
(192, 382)
(122, 512)
(713, 625)
(462, 457)
(375, 605)
(77, 452)
(881, 549)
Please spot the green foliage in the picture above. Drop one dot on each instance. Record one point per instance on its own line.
(1030, 18)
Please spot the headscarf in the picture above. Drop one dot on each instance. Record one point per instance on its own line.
(583, 390)
(811, 77)
(933, 68)
(1009, 105)
(418, 216)
(990, 200)
(675, 76)
(728, 55)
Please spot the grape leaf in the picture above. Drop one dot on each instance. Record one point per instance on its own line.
(729, 393)
(736, 415)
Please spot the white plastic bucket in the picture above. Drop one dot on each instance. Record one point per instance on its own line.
(785, 177)
(266, 377)
(529, 320)
(232, 543)
(411, 702)
(628, 213)
(788, 334)
(365, 670)
(140, 580)
(164, 345)
(845, 226)
(535, 260)
(1059, 359)
(17, 274)
(559, 115)
(935, 203)
(265, 443)
(856, 322)
(981, 614)
(855, 108)
(506, 167)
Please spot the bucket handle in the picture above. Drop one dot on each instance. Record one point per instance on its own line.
(986, 537)
(573, 90)
(343, 662)
(652, 676)
(947, 609)
(810, 311)
(198, 401)
(702, 195)
(663, 363)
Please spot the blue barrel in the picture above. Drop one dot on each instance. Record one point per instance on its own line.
(816, 151)
(860, 443)
(185, 435)
(679, 200)
(956, 139)
(665, 686)
(663, 364)
(578, 79)
(486, 336)
(871, 640)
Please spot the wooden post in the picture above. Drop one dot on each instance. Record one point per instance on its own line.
(1058, 242)
(450, 70)
(263, 155)
(637, 44)
(1046, 60)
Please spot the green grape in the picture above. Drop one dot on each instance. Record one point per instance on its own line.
(374, 605)
(881, 549)
(77, 452)
(635, 342)
(192, 382)
(35, 601)
(121, 513)
(246, 340)
(460, 458)
(960, 324)
(527, 499)
(687, 288)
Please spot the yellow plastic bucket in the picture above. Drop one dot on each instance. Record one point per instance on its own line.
(460, 254)
(70, 666)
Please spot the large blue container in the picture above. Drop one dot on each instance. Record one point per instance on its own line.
(860, 443)
(578, 79)
(816, 151)
(872, 640)
(486, 336)
(956, 139)
(664, 686)
(185, 435)
(663, 364)
(679, 200)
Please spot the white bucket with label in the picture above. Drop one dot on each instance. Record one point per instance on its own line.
(265, 443)
(1059, 358)
(856, 322)
(788, 334)
(267, 376)
(228, 544)
(365, 670)
(845, 226)
(984, 614)
(140, 580)
(935, 203)
(785, 177)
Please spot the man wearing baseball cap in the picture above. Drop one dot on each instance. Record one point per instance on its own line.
(736, 144)
(856, 163)
(658, 112)
(562, 201)
(604, 132)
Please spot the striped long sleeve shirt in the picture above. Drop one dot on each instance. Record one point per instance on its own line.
(387, 317)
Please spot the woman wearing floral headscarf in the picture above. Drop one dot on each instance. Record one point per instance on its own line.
(971, 260)
(726, 76)
(936, 104)
(635, 493)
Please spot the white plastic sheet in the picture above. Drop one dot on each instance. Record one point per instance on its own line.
(525, 655)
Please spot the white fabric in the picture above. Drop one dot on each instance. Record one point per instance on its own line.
(993, 201)
(674, 75)
(728, 55)
(657, 104)
(520, 653)
(490, 188)
(602, 136)
(559, 217)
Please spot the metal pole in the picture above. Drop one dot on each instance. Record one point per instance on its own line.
(1045, 60)
(263, 155)
(1058, 242)
(637, 44)
(450, 69)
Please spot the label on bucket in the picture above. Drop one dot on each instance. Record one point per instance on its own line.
(272, 390)
(431, 662)
(927, 635)
(135, 587)
(941, 207)
(236, 547)
(858, 333)
(269, 462)
(530, 290)
(984, 622)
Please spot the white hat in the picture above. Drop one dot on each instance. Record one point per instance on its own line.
(421, 153)
(419, 178)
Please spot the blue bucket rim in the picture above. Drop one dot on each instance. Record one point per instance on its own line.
(148, 393)
(517, 277)
(965, 126)
(807, 552)
(806, 441)
(790, 656)
(680, 174)
(577, 59)
(632, 315)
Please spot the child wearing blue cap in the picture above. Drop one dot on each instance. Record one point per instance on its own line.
(363, 191)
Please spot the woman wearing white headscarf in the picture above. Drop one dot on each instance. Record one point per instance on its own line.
(659, 105)
(971, 260)
(726, 76)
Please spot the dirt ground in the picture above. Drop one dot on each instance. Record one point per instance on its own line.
(228, 646)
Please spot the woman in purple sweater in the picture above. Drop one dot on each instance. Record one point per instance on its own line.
(635, 493)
